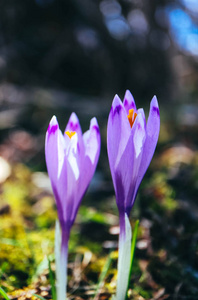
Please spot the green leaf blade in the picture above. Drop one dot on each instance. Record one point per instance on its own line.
(3, 293)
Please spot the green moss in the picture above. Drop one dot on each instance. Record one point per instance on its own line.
(88, 214)
(170, 204)
(25, 237)
(138, 290)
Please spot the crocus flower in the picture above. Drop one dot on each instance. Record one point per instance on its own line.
(71, 160)
(131, 142)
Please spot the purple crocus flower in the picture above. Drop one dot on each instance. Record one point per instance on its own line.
(71, 160)
(131, 143)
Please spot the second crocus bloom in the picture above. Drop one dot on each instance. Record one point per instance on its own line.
(71, 160)
(131, 142)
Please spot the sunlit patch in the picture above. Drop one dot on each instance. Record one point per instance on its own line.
(70, 133)
(132, 116)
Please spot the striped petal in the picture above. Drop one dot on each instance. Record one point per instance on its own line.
(74, 124)
(128, 167)
(118, 132)
(152, 134)
(91, 139)
(129, 102)
(55, 161)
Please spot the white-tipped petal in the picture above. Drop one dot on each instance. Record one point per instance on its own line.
(129, 102)
(74, 124)
(139, 135)
(91, 140)
(118, 133)
(72, 156)
(152, 134)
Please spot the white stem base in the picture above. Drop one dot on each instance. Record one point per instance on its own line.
(61, 266)
(124, 261)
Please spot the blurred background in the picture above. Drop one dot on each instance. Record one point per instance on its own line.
(59, 56)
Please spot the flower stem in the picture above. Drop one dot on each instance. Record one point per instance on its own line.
(122, 234)
(124, 258)
(61, 254)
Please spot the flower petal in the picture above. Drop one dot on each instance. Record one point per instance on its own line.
(152, 134)
(127, 169)
(129, 102)
(74, 124)
(92, 141)
(72, 155)
(72, 194)
(88, 161)
(54, 149)
(118, 132)
(139, 134)
(55, 161)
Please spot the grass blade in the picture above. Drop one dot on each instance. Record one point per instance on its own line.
(40, 297)
(103, 274)
(134, 243)
(3, 293)
(134, 238)
(40, 268)
(52, 280)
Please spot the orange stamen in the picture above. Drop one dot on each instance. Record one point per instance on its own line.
(70, 133)
(132, 116)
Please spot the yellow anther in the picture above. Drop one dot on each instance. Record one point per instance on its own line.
(131, 116)
(70, 133)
